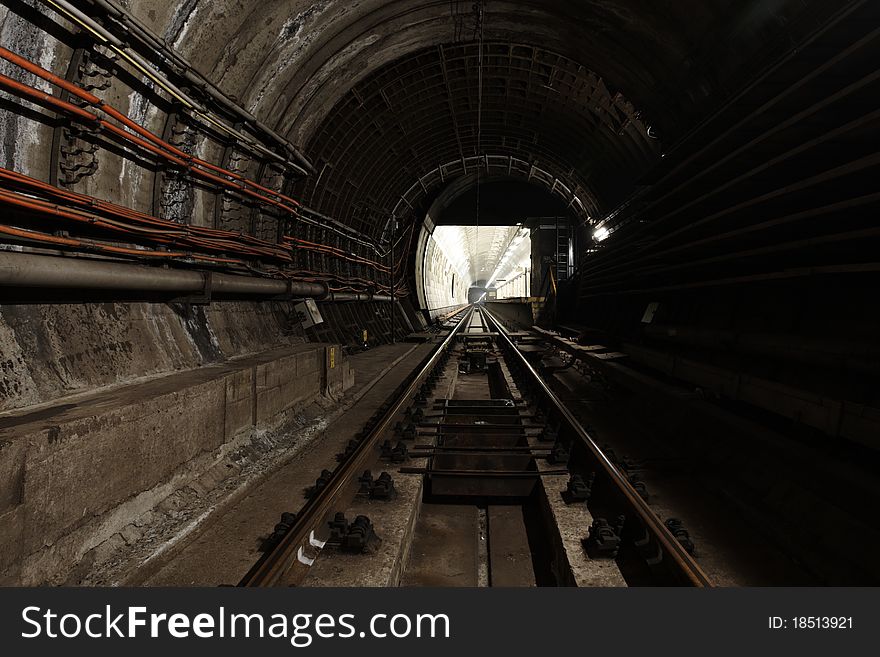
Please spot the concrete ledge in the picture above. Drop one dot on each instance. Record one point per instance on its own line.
(74, 473)
(572, 523)
(395, 522)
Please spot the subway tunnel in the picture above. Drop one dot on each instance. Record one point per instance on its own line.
(595, 279)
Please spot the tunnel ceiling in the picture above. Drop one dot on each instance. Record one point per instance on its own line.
(541, 115)
(476, 251)
(503, 201)
(382, 94)
(397, 104)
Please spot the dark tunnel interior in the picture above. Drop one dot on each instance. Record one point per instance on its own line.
(226, 222)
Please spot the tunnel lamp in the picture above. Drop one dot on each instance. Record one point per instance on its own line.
(600, 233)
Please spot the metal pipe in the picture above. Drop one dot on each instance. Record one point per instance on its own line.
(358, 296)
(25, 270)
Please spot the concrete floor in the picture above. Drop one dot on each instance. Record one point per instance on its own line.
(445, 550)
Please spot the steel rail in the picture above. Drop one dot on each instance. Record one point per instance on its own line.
(442, 319)
(685, 565)
(273, 565)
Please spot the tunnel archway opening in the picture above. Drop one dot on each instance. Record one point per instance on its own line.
(465, 264)
(516, 241)
(477, 294)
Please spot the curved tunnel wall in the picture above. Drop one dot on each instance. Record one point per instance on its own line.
(655, 99)
(299, 66)
(292, 62)
(441, 271)
(445, 285)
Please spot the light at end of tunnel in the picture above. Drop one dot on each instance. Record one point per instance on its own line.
(601, 233)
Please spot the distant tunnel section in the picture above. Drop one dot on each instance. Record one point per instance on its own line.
(461, 264)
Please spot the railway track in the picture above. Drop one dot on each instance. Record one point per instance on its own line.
(504, 469)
